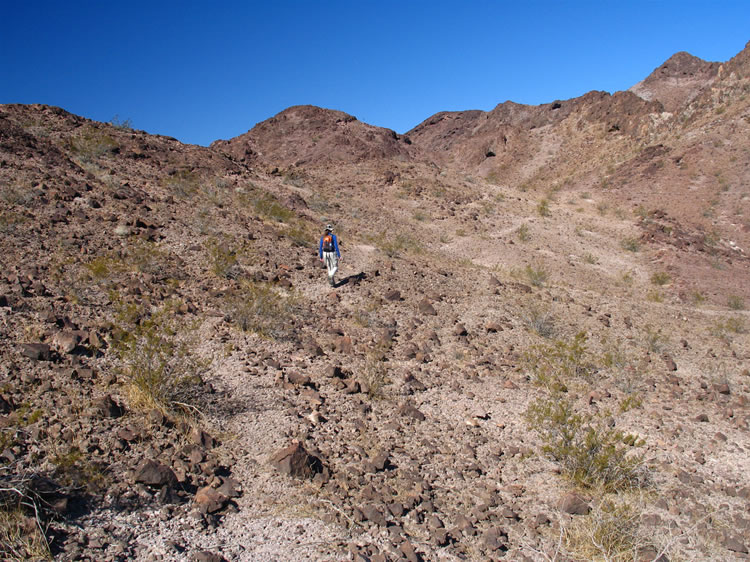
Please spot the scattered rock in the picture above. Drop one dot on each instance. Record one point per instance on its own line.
(295, 461)
(37, 351)
(426, 309)
(411, 411)
(154, 473)
(210, 500)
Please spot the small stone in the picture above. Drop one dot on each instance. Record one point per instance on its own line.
(425, 308)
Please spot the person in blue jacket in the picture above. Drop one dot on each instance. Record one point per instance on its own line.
(328, 251)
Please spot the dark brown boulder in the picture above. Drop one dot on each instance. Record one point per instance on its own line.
(295, 461)
(152, 473)
(37, 351)
(108, 408)
(210, 500)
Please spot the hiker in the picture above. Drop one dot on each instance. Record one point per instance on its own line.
(328, 251)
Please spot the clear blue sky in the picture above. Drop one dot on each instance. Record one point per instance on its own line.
(200, 71)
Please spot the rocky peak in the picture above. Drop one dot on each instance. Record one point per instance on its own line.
(678, 81)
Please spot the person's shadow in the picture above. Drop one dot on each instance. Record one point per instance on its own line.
(353, 279)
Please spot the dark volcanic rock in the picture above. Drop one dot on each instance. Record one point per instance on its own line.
(37, 351)
(295, 461)
(153, 473)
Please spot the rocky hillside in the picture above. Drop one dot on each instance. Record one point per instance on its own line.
(536, 349)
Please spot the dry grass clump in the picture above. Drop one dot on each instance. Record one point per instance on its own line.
(612, 531)
(21, 537)
(23, 518)
(258, 307)
(539, 320)
(157, 359)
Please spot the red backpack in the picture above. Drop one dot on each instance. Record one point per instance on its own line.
(328, 242)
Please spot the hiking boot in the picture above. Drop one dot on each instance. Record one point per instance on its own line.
(331, 282)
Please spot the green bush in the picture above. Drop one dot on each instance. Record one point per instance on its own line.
(554, 365)
(589, 452)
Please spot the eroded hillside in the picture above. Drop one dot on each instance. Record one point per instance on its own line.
(537, 347)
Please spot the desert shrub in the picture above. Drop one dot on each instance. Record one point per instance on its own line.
(269, 207)
(590, 453)
(590, 259)
(121, 124)
(374, 375)
(139, 256)
(183, 183)
(539, 320)
(654, 296)
(222, 257)
(660, 278)
(536, 275)
(736, 303)
(654, 339)
(630, 244)
(16, 194)
(630, 402)
(523, 233)
(301, 235)
(74, 469)
(543, 208)
(91, 144)
(393, 245)
(258, 307)
(10, 222)
(553, 365)
(156, 357)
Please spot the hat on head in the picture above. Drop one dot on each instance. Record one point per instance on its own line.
(329, 227)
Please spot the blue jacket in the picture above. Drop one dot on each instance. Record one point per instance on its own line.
(335, 246)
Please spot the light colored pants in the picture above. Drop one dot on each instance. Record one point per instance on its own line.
(332, 263)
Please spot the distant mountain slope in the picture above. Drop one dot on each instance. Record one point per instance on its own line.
(309, 135)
